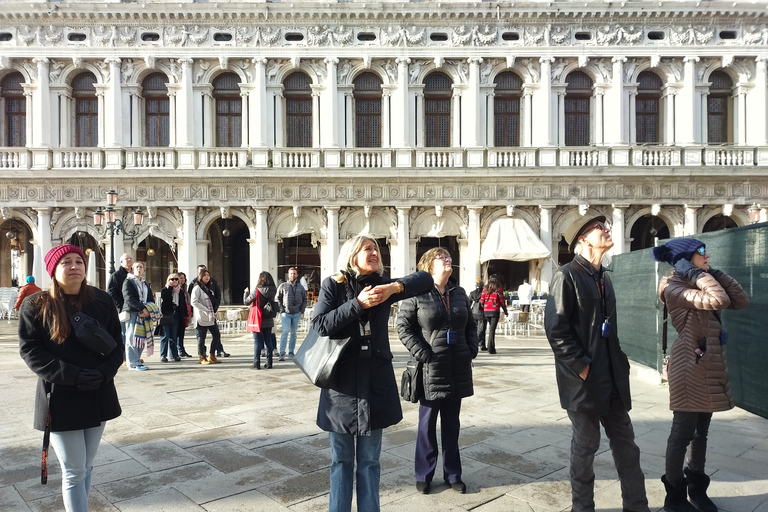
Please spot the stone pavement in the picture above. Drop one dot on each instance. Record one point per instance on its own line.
(226, 438)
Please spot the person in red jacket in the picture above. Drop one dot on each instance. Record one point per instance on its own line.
(492, 301)
(26, 290)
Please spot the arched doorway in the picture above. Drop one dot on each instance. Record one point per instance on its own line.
(159, 260)
(16, 253)
(88, 245)
(297, 251)
(449, 242)
(718, 222)
(229, 258)
(646, 230)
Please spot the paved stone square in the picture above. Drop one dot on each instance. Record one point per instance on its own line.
(227, 438)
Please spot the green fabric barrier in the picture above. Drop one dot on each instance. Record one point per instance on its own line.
(740, 252)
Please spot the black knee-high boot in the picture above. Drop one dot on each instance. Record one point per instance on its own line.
(677, 499)
(697, 491)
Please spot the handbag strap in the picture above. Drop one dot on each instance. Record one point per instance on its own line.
(664, 332)
(46, 437)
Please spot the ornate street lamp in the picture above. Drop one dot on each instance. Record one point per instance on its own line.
(754, 213)
(113, 225)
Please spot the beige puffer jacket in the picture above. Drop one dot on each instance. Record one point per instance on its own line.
(699, 386)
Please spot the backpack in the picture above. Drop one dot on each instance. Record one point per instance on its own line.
(270, 309)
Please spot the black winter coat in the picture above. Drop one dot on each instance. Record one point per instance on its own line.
(57, 366)
(572, 320)
(365, 396)
(423, 324)
(115, 287)
(131, 300)
(266, 294)
(167, 307)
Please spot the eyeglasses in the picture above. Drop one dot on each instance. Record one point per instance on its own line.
(701, 251)
(174, 279)
(443, 257)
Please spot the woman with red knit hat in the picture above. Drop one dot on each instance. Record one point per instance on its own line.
(76, 394)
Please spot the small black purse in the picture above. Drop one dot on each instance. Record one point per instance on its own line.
(412, 382)
(91, 335)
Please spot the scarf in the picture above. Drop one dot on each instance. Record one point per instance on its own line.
(176, 290)
(139, 284)
(144, 329)
(356, 284)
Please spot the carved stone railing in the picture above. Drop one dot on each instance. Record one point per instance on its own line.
(509, 157)
(150, 158)
(367, 158)
(448, 157)
(222, 158)
(296, 157)
(14, 158)
(729, 156)
(78, 158)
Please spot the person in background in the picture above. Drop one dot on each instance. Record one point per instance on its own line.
(292, 298)
(364, 400)
(170, 305)
(592, 371)
(115, 285)
(215, 300)
(440, 332)
(695, 294)
(477, 312)
(492, 300)
(205, 317)
(525, 295)
(184, 314)
(262, 329)
(136, 293)
(25, 291)
(76, 394)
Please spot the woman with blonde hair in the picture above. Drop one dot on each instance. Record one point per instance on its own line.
(172, 299)
(76, 393)
(355, 303)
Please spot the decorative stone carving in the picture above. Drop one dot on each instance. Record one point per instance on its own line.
(127, 36)
(557, 69)
(26, 35)
(103, 36)
(126, 70)
(50, 35)
(54, 72)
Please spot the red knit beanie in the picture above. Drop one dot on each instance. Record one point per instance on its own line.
(54, 255)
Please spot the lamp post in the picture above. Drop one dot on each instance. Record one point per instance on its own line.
(754, 213)
(113, 225)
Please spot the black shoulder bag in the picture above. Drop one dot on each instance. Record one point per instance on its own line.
(90, 334)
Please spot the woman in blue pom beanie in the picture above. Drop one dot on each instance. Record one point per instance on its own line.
(694, 295)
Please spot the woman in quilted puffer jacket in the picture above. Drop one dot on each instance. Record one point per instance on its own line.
(694, 295)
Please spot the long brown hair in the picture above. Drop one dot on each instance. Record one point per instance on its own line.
(51, 305)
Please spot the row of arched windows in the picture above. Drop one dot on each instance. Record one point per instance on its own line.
(368, 109)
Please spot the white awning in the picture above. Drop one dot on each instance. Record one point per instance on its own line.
(512, 239)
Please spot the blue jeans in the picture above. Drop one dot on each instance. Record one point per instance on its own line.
(132, 354)
(290, 322)
(260, 339)
(170, 337)
(76, 450)
(343, 457)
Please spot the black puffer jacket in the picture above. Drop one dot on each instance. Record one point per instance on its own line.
(365, 396)
(423, 324)
(266, 294)
(573, 320)
(57, 366)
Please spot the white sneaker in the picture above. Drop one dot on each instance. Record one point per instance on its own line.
(139, 368)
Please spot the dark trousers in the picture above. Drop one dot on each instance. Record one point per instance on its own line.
(215, 342)
(262, 339)
(480, 331)
(689, 432)
(180, 338)
(426, 440)
(491, 321)
(626, 457)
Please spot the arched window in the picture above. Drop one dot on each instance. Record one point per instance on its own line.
(578, 94)
(156, 106)
(298, 110)
(15, 110)
(718, 108)
(86, 110)
(368, 111)
(229, 110)
(506, 109)
(437, 111)
(647, 118)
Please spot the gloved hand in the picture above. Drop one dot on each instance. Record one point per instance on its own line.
(89, 380)
(715, 273)
(686, 269)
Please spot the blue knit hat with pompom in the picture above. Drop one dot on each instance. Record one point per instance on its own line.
(677, 249)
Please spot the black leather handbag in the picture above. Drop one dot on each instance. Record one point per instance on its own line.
(412, 382)
(318, 357)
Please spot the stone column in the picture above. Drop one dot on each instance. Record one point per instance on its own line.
(614, 105)
(43, 239)
(688, 114)
(545, 234)
(188, 249)
(543, 136)
(421, 118)
(172, 126)
(330, 116)
(316, 116)
(400, 256)
(561, 116)
(632, 96)
(29, 100)
(741, 116)
(401, 116)
(757, 132)
(618, 229)
(245, 92)
(41, 114)
(260, 249)
(690, 227)
(279, 118)
(113, 106)
(472, 269)
(258, 107)
(490, 121)
(386, 121)
(526, 131)
(598, 134)
(470, 112)
(185, 121)
(332, 242)
(100, 91)
(456, 117)
(669, 95)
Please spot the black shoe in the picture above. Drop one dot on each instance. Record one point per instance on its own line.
(222, 354)
(256, 365)
(491, 350)
(458, 486)
(269, 362)
(164, 360)
(177, 359)
(184, 354)
(422, 487)
(484, 349)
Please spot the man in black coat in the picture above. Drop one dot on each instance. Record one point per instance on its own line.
(115, 286)
(592, 370)
(477, 312)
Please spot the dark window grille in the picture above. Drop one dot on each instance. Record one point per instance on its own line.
(86, 111)
(718, 102)
(15, 110)
(368, 110)
(578, 94)
(229, 111)
(647, 120)
(157, 106)
(437, 111)
(506, 109)
(298, 104)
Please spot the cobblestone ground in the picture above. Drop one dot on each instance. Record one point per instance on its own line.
(228, 438)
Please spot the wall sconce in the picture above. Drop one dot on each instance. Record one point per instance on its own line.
(754, 213)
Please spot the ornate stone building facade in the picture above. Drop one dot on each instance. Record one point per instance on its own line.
(261, 135)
